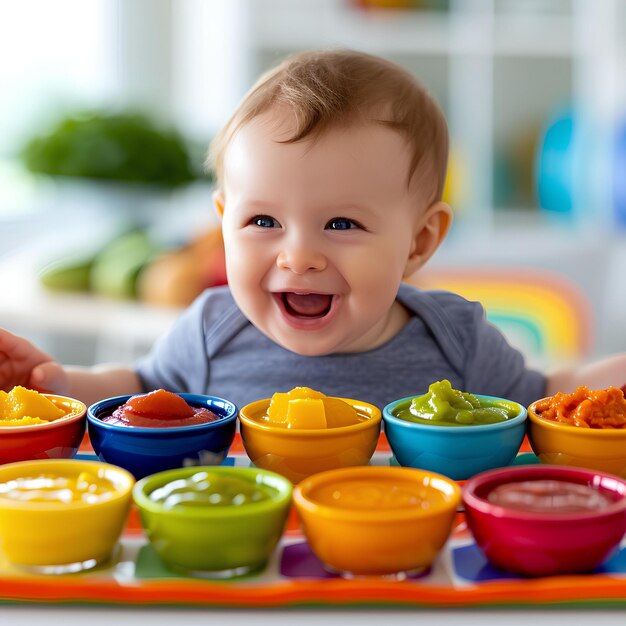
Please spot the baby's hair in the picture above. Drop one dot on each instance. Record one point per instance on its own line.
(330, 89)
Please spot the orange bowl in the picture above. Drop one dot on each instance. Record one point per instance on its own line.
(298, 453)
(377, 520)
(555, 443)
(58, 439)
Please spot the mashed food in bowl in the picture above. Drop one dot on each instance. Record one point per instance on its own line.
(444, 406)
(59, 488)
(604, 408)
(549, 496)
(159, 409)
(25, 407)
(305, 408)
(212, 489)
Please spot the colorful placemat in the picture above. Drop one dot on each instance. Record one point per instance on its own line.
(460, 576)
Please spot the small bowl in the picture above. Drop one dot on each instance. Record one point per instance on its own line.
(144, 451)
(369, 536)
(62, 537)
(215, 541)
(298, 453)
(542, 544)
(556, 443)
(455, 451)
(58, 439)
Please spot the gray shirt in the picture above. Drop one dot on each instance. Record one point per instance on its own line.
(214, 349)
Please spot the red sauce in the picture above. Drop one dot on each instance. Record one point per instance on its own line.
(159, 409)
(548, 496)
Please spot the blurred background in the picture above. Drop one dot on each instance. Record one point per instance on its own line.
(107, 106)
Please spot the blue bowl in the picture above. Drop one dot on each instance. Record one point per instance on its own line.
(145, 451)
(458, 452)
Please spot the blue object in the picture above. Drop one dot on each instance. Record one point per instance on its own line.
(554, 168)
(471, 564)
(144, 451)
(458, 452)
(619, 176)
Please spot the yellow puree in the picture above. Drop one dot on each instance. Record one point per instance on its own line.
(361, 494)
(305, 408)
(23, 407)
(87, 487)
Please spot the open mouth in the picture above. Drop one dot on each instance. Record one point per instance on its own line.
(306, 305)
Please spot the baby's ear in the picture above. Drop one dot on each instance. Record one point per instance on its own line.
(430, 230)
(218, 202)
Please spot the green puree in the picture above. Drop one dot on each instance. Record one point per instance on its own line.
(209, 489)
(444, 406)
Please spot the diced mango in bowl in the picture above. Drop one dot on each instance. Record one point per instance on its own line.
(305, 408)
(24, 407)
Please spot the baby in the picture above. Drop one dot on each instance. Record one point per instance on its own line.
(330, 176)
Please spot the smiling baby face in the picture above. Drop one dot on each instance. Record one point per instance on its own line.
(319, 233)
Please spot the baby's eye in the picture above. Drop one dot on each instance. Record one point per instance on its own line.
(341, 223)
(264, 221)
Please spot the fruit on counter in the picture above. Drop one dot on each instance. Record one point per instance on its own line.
(24, 407)
(67, 275)
(159, 409)
(172, 279)
(305, 408)
(133, 266)
(116, 269)
(177, 278)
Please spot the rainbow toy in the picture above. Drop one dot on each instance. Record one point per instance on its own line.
(545, 313)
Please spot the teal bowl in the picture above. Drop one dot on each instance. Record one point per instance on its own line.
(458, 452)
(215, 540)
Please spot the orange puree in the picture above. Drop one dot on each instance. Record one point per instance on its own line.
(605, 408)
(376, 493)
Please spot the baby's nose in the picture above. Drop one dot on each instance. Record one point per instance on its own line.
(301, 258)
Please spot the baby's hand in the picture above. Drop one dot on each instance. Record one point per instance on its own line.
(21, 363)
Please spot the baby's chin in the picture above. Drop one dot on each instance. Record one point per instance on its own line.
(306, 346)
(302, 342)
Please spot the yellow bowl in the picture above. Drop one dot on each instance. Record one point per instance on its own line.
(60, 537)
(298, 453)
(555, 443)
(377, 520)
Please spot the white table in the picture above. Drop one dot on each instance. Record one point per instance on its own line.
(29, 615)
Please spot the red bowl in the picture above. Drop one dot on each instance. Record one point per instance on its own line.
(543, 544)
(58, 439)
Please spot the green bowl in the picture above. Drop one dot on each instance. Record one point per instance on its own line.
(215, 541)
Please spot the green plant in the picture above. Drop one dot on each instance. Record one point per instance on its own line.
(111, 146)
